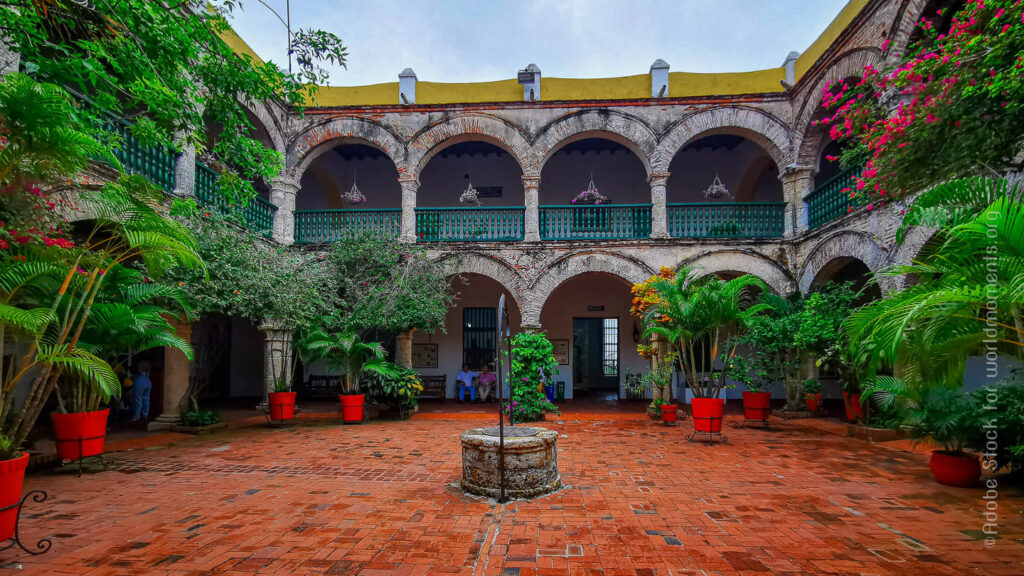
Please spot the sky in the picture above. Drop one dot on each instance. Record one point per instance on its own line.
(482, 40)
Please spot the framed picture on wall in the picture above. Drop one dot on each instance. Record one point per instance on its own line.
(561, 351)
(424, 355)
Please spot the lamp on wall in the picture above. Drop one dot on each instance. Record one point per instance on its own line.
(636, 332)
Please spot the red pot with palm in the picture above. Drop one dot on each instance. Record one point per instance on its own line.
(757, 405)
(955, 468)
(352, 408)
(12, 477)
(708, 414)
(80, 434)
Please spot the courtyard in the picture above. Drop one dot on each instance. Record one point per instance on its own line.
(383, 498)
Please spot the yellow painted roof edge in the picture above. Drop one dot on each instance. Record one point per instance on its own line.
(681, 84)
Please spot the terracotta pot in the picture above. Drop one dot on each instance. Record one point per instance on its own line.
(854, 409)
(668, 412)
(79, 434)
(282, 405)
(352, 407)
(952, 469)
(757, 405)
(813, 401)
(707, 414)
(12, 476)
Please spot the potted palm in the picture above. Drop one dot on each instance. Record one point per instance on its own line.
(697, 316)
(949, 418)
(349, 353)
(812, 394)
(659, 380)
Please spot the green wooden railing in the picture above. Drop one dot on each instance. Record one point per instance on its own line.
(154, 163)
(322, 226)
(595, 222)
(828, 201)
(258, 213)
(470, 224)
(727, 219)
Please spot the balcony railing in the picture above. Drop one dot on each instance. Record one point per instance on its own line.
(828, 201)
(154, 163)
(727, 220)
(322, 226)
(470, 224)
(597, 222)
(258, 213)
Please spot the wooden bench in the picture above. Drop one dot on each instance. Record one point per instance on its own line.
(321, 386)
(434, 386)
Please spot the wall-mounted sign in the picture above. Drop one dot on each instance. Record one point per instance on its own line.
(595, 308)
(526, 77)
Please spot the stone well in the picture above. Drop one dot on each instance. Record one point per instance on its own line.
(531, 462)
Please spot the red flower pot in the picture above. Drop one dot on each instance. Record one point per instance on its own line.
(79, 434)
(707, 414)
(952, 469)
(12, 476)
(668, 412)
(757, 405)
(352, 407)
(854, 409)
(282, 405)
(813, 401)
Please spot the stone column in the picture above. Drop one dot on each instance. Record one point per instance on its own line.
(185, 172)
(531, 223)
(659, 206)
(177, 371)
(282, 195)
(403, 353)
(277, 354)
(797, 183)
(408, 227)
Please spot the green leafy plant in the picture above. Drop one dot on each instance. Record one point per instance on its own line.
(348, 353)
(200, 418)
(659, 380)
(999, 411)
(811, 386)
(737, 369)
(634, 383)
(398, 389)
(532, 366)
(948, 418)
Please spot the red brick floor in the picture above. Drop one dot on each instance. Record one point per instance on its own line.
(381, 498)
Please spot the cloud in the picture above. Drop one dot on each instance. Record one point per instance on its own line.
(464, 41)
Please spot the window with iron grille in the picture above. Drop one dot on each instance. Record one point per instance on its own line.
(610, 352)
(479, 327)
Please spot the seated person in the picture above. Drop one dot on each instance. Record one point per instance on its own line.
(464, 380)
(487, 380)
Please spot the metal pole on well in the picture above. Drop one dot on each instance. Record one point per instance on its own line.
(502, 320)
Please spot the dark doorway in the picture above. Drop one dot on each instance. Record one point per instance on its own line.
(595, 355)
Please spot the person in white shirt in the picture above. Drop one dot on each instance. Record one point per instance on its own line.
(464, 380)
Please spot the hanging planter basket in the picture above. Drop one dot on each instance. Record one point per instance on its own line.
(590, 195)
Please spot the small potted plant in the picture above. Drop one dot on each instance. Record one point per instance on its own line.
(950, 419)
(659, 380)
(12, 476)
(757, 401)
(634, 385)
(812, 394)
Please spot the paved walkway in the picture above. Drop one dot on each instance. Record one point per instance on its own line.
(381, 498)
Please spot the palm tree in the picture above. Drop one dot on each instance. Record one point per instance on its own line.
(700, 317)
(967, 300)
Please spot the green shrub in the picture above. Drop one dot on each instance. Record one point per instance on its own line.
(999, 411)
(533, 365)
(200, 418)
(398, 389)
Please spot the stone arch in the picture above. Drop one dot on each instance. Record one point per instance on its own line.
(907, 16)
(629, 269)
(320, 137)
(757, 126)
(908, 251)
(850, 63)
(778, 279)
(269, 122)
(454, 129)
(845, 244)
(489, 266)
(625, 129)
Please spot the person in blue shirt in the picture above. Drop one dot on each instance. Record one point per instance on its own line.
(141, 387)
(464, 380)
